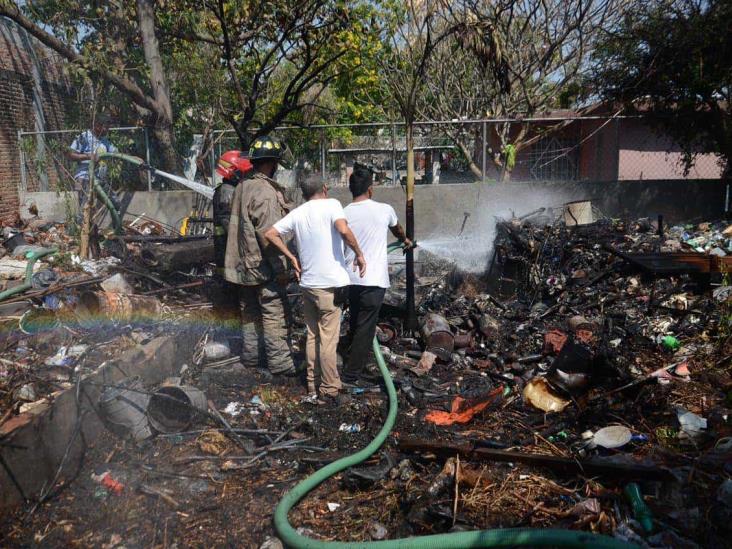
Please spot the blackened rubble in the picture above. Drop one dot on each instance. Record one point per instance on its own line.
(560, 321)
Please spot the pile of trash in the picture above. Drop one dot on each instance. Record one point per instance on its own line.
(583, 382)
(61, 315)
(599, 351)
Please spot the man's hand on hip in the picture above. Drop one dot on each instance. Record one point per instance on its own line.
(295, 266)
(360, 265)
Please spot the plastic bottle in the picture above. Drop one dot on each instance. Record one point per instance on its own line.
(670, 343)
(641, 512)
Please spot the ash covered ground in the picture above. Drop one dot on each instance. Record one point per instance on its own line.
(585, 362)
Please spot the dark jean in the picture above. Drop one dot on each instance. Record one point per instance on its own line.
(364, 303)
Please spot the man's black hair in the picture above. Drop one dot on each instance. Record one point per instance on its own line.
(360, 181)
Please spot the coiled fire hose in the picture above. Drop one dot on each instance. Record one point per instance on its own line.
(503, 537)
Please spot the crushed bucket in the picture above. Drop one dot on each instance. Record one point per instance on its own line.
(173, 408)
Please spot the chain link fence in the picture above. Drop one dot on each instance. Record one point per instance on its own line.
(570, 148)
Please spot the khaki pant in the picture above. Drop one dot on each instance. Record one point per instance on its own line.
(323, 320)
(265, 338)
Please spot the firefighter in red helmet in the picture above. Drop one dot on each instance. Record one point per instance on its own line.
(233, 167)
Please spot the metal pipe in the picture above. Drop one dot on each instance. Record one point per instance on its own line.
(121, 128)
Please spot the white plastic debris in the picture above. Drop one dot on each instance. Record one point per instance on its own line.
(312, 398)
(377, 531)
(333, 506)
(722, 294)
(215, 350)
(233, 409)
(95, 267)
(614, 436)
(692, 425)
(27, 392)
(117, 284)
(66, 356)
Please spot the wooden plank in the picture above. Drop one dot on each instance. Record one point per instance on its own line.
(592, 467)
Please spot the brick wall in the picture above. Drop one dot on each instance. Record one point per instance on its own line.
(17, 105)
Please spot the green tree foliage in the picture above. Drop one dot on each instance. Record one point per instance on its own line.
(673, 60)
(281, 61)
(249, 64)
(113, 42)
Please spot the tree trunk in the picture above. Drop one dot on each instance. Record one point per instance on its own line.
(86, 219)
(166, 140)
(163, 124)
(474, 168)
(411, 321)
(241, 128)
(158, 105)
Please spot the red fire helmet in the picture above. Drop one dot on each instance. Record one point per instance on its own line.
(233, 164)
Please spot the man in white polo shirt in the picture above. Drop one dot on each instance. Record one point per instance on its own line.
(369, 220)
(320, 229)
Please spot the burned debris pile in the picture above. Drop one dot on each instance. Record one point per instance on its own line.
(581, 383)
(61, 315)
(601, 351)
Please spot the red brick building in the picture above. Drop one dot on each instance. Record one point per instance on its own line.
(596, 148)
(35, 95)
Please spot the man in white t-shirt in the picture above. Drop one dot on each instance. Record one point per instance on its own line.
(320, 229)
(369, 221)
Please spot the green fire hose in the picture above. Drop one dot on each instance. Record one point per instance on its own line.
(32, 257)
(505, 537)
(103, 196)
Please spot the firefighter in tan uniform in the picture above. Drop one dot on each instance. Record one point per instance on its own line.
(259, 268)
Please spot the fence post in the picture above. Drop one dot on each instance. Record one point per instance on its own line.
(393, 155)
(147, 158)
(23, 179)
(485, 138)
(212, 159)
(323, 153)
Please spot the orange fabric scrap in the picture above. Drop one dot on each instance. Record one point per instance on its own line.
(464, 410)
